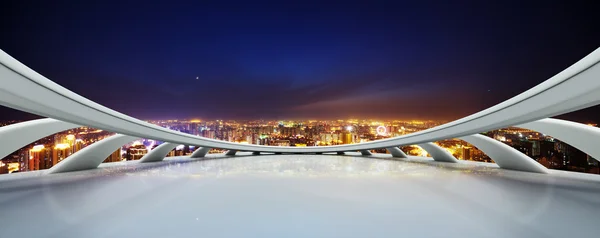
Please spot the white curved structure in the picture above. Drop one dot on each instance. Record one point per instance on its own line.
(396, 152)
(583, 137)
(17, 135)
(505, 156)
(438, 153)
(200, 152)
(92, 156)
(158, 153)
(24, 89)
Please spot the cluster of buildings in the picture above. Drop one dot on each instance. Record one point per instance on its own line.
(49, 151)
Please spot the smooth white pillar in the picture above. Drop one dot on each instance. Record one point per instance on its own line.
(159, 153)
(16, 136)
(91, 156)
(583, 137)
(396, 152)
(505, 156)
(200, 152)
(438, 153)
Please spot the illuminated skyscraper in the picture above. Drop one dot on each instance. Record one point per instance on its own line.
(60, 152)
(466, 153)
(346, 138)
(136, 152)
(37, 157)
(77, 146)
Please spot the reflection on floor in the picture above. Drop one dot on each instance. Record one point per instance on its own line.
(299, 196)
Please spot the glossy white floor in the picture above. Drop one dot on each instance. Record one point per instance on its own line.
(300, 196)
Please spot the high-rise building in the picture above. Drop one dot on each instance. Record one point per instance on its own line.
(77, 145)
(466, 153)
(136, 152)
(114, 157)
(346, 138)
(38, 155)
(60, 152)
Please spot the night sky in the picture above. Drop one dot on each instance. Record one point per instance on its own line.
(426, 60)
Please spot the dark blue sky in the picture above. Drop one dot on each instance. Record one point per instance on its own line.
(429, 60)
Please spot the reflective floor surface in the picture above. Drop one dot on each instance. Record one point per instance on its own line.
(299, 196)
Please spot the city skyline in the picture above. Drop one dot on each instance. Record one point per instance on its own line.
(299, 118)
(48, 151)
(388, 60)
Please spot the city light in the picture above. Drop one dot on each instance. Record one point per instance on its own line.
(61, 146)
(292, 133)
(381, 130)
(37, 148)
(136, 143)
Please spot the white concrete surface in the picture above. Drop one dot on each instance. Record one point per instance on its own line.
(299, 196)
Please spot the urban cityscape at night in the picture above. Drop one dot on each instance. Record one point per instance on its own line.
(546, 150)
(299, 119)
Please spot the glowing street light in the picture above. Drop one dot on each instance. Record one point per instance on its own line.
(349, 128)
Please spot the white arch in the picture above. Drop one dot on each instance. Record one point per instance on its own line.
(505, 156)
(396, 152)
(92, 156)
(583, 137)
(24, 89)
(438, 153)
(15, 136)
(159, 153)
(200, 152)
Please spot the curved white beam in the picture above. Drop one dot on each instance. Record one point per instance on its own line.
(365, 152)
(438, 153)
(396, 152)
(91, 156)
(24, 89)
(15, 136)
(505, 156)
(159, 153)
(231, 152)
(583, 137)
(200, 152)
